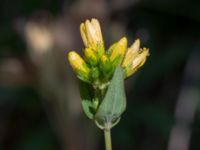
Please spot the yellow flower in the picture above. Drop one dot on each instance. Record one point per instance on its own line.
(91, 35)
(135, 57)
(79, 66)
(117, 51)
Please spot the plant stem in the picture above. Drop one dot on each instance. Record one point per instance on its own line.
(108, 142)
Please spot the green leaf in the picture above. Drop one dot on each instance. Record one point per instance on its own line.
(87, 96)
(114, 103)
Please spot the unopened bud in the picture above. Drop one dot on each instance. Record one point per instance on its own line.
(91, 34)
(137, 62)
(118, 51)
(79, 66)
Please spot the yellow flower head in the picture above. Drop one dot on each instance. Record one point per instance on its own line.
(91, 34)
(79, 66)
(117, 51)
(135, 57)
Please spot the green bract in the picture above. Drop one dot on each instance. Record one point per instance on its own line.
(114, 102)
(105, 109)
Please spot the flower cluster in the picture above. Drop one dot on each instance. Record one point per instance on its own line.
(98, 64)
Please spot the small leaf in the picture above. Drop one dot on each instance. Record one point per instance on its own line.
(114, 103)
(86, 96)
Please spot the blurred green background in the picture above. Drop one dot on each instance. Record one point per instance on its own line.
(39, 99)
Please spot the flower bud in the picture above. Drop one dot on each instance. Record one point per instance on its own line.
(79, 66)
(117, 51)
(137, 62)
(90, 56)
(91, 34)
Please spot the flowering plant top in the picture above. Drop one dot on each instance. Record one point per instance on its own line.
(98, 65)
(102, 73)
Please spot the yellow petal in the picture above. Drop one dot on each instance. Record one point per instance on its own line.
(138, 61)
(91, 34)
(97, 27)
(131, 53)
(83, 34)
(141, 58)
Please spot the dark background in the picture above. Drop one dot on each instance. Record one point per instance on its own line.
(39, 99)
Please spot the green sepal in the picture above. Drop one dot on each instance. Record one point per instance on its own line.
(114, 103)
(86, 93)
